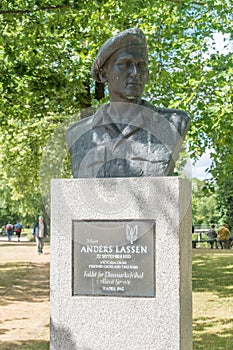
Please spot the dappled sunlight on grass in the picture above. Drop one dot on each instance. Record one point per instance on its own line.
(24, 291)
(213, 273)
(24, 282)
(212, 300)
(27, 345)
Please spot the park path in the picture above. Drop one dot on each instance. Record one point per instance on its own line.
(24, 292)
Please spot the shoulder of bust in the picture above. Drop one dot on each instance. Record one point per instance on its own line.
(80, 123)
(87, 121)
(78, 128)
(82, 126)
(167, 112)
(178, 118)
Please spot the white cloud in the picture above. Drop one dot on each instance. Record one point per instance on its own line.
(222, 43)
(200, 166)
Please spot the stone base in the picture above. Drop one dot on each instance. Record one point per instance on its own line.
(162, 321)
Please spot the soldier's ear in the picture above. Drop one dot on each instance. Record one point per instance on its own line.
(103, 76)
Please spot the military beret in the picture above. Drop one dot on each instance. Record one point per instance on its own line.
(128, 38)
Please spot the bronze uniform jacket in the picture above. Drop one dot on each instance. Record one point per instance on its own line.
(127, 140)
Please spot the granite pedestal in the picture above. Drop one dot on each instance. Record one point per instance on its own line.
(121, 264)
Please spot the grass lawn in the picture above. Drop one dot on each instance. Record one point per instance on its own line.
(212, 299)
(24, 296)
(24, 292)
(29, 345)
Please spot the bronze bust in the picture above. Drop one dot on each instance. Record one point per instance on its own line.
(127, 137)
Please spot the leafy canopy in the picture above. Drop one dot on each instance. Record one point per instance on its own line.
(46, 51)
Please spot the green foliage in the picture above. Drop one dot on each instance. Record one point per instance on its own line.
(204, 204)
(225, 200)
(46, 52)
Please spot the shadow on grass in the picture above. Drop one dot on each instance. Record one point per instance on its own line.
(206, 340)
(203, 323)
(24, 281)
(14, 242)
(213, 273)
(18, 244)
(25, 345)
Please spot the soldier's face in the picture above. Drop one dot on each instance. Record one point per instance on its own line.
(126, 74)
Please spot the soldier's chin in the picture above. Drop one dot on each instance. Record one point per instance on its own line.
(131, 97)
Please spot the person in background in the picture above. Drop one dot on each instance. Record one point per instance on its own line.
(4, 231)
(10, 231)
(223, 237)
(212, 237)
(18, 229)
(40, 232)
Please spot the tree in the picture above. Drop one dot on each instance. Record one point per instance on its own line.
(225, 200)
(46, 51)
(204, 204)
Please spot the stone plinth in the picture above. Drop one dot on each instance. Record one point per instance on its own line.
(154, 314)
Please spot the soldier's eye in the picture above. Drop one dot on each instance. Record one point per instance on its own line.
(142, 65)
(122, 63)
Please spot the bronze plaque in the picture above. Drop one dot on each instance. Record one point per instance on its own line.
(114, 258)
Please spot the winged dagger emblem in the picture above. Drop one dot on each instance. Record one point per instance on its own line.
(131, 233)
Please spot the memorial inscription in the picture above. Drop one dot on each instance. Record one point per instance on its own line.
(114, 258)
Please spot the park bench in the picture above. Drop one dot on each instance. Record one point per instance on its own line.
(196, 241)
